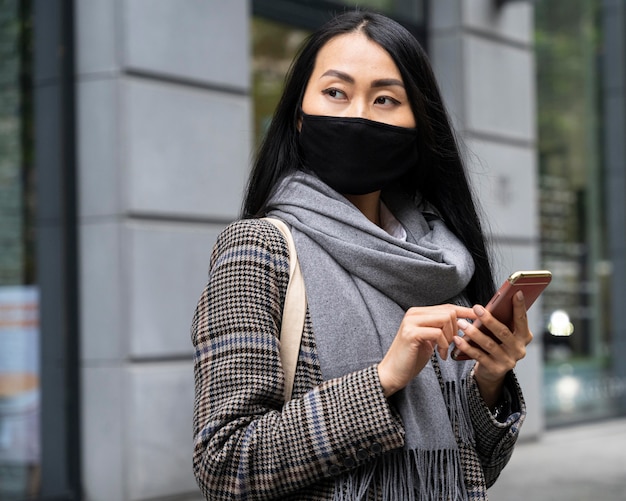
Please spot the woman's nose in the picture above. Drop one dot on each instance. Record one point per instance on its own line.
(358, 109)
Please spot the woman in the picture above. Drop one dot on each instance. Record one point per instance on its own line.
(361, 162)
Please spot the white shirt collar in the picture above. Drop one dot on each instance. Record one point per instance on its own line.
(390, 224)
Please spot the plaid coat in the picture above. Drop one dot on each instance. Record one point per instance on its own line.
(249, 444)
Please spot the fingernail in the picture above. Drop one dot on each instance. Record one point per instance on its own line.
(462, 323)
(479, 310)
(519, 295)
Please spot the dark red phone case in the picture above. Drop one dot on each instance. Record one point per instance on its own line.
(531, 283)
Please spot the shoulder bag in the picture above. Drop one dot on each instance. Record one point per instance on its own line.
(294, 311)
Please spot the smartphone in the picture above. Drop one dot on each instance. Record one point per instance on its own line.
(531, 283)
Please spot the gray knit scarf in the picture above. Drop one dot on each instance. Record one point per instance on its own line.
(359, 282)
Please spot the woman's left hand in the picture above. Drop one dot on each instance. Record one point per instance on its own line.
(495, 360)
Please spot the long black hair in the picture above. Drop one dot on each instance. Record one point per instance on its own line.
(440, 177)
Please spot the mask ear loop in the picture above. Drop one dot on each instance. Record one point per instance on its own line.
(299, 118)
(299, 110)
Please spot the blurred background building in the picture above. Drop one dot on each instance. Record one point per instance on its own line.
(126, 132)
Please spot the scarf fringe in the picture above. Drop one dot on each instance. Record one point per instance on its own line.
(416, 474)
(457, 404)
(406, 476)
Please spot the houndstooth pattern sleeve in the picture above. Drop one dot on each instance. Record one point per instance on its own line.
(495, 440)
(247, 444)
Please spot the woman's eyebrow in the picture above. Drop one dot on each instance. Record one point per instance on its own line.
(382, 82)
(387, 82)
(339, 74)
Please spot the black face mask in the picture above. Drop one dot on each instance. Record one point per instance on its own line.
(355, 156)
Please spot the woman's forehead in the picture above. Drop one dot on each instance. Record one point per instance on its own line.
(354, 52)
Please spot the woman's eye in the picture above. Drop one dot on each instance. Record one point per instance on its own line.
(384, 100)
(334, 93)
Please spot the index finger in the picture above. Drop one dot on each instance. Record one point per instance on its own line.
(464, 312)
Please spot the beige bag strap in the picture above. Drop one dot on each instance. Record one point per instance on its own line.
(294, 312)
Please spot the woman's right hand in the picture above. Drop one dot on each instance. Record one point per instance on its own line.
(423, 329)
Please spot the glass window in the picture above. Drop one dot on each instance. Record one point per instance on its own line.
(274, 46)
(577, 374)
(411, 10)
(19, 309)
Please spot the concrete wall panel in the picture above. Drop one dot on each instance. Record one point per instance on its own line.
(187, 150)
(512, 22)
(98, 33)
(103, 433)
(98, 148)
(446, 54)
(167, 271)
(199, 40)
(103, 312)
(505, 178)
(164, 143)
(445, 15)
(500, 93)
(160, 443)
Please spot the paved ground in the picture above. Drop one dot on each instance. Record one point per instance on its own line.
(579, 463)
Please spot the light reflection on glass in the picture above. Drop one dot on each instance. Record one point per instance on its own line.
(560, 324)
(567, 389)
